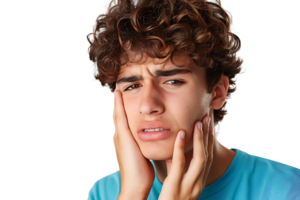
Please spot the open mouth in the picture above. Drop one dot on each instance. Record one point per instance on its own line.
(154, 134)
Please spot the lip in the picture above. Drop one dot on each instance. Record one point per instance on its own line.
(157, 135)
(152, 125)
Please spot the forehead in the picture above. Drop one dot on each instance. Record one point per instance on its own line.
(139, 62)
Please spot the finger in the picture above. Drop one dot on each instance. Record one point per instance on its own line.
(206, 122)
(206, 134)
(121, 126)
(118, 107)
(112, 110)
(178, 160)
(114, 115)
(210, 153)
(118, 111)
(198, 160)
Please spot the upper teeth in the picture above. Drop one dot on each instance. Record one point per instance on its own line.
(156, 129)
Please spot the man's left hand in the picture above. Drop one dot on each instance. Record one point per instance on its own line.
(189, 186)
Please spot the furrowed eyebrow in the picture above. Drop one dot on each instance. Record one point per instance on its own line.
(156, 73)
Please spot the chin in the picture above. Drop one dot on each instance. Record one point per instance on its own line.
(157, 153)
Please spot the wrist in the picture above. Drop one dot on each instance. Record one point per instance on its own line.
(132, 196)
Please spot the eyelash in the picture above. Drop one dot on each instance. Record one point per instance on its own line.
(179, 83)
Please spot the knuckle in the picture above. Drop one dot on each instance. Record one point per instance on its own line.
(194, 194)
(181, 162)
(202, 161)
(210, 160)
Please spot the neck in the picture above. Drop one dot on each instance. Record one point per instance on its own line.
(222, 158)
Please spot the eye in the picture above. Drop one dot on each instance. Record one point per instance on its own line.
(177, 84)
(132, 87)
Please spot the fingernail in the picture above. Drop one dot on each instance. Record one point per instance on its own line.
(182, 134)
(115, 93)
(208, 121)
(200, 126)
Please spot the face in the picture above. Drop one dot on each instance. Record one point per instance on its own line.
(153, 96)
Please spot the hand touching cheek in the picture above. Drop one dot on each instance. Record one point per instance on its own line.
(179, 186)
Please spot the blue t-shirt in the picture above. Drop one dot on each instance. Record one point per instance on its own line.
(248, 177)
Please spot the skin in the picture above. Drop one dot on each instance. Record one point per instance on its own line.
(180, 106)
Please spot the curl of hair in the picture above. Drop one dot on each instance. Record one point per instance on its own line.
(199, 28)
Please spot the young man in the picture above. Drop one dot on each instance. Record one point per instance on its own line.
(171, 65)
(234, 173)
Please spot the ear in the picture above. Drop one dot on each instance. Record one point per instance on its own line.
(219, 93)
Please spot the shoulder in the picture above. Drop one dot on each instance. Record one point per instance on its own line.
(107, 187)
(274, 178)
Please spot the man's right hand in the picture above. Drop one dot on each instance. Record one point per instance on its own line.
(137, 172)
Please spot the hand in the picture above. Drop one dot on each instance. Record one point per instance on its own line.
(179, 186)
(137, 172)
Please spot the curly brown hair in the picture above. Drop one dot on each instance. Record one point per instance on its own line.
(198, 28)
